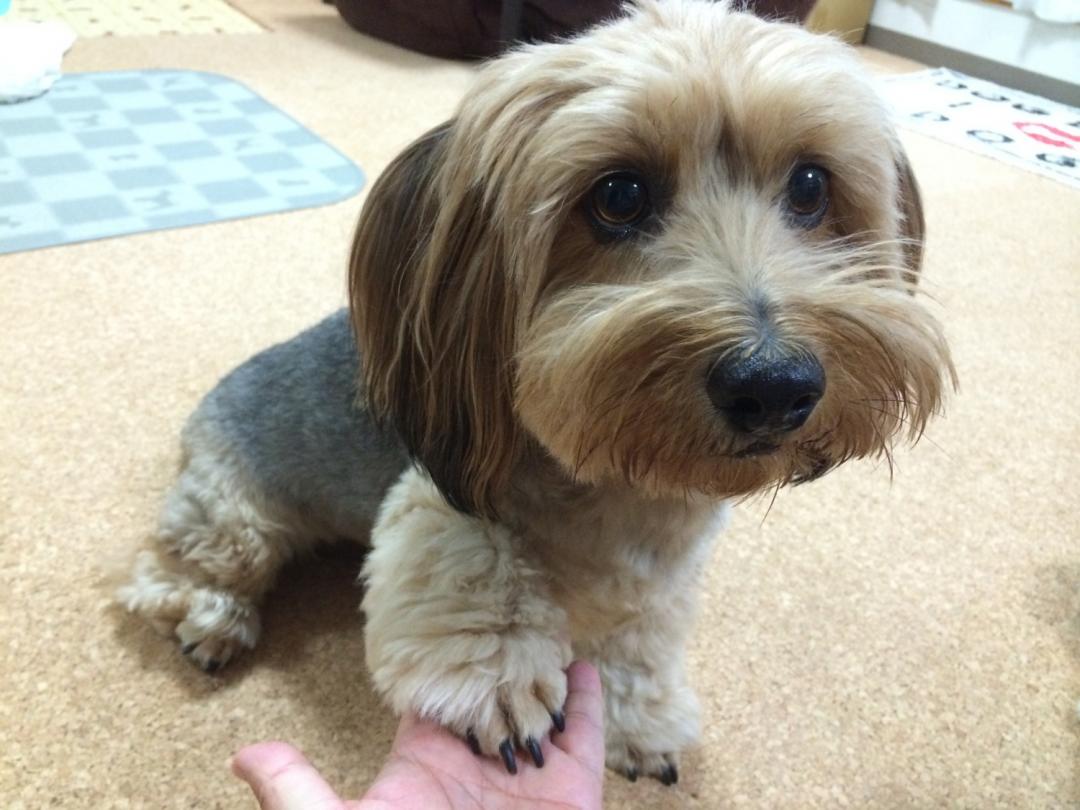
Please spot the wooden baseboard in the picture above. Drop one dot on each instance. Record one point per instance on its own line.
(846, 19)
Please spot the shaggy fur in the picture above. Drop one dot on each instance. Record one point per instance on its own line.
(548, 378)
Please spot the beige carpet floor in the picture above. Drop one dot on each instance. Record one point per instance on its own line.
(870, 645)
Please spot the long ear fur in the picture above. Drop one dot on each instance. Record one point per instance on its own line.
(435, 324)
(913, 227)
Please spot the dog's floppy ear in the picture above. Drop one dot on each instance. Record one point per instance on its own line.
(434, 323)
(913, 225)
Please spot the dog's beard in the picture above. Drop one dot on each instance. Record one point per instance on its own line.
(612, 377)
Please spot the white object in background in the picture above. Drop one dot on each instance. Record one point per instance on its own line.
(1061, 11)
(999, 33)
(30, 57)
(1034, 133)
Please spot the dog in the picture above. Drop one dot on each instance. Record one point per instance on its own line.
(642, 274)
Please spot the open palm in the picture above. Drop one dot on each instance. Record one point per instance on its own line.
(431, 769)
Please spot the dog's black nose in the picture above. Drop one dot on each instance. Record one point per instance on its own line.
(766, 391)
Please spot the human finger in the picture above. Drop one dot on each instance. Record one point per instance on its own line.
(584, 735)
(282, 779)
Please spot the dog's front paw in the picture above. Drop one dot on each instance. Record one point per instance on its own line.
(647, 726)
(502, 692)
(634, 760)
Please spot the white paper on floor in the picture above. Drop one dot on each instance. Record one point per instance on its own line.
(1019, 128)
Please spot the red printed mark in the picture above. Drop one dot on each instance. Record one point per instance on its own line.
(1062, 139)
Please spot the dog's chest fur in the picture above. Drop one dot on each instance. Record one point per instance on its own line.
(610, 553)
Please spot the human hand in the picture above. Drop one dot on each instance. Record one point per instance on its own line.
(431, 769)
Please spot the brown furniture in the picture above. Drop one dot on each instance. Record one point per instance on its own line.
(476, 29)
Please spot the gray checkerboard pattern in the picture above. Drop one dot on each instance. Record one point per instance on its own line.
(106, 154)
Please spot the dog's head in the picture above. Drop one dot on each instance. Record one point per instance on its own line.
(679, 250)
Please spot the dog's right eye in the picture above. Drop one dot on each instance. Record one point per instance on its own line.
(618, 202)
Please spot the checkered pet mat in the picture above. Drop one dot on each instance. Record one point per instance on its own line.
(105, 154)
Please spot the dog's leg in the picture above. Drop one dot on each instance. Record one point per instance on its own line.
(650, 711)
(217, 551)
(459, 627)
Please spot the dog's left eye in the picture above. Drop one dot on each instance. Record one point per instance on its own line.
(619, 201)
(808, 194)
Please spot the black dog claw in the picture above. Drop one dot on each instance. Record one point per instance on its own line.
(212, 666)
(670, 775)
(506, 751)
(632, 774)
(534, 749)
(474, 743)
(559, 719)
(187, 648)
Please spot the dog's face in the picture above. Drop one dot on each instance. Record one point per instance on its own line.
(680, 250)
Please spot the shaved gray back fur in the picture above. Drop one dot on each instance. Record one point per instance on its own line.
(291, 415)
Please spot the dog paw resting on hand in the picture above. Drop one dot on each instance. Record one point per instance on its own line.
(470, 639)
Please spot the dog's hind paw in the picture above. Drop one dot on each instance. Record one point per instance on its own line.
(211, 625)
(217, 627)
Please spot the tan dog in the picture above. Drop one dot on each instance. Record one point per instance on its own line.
(664, 265)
